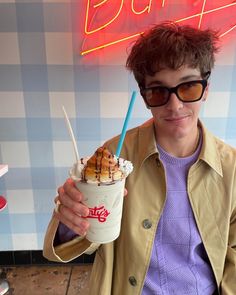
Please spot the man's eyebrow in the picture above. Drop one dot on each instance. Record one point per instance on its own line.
(155, 83)
(183, 79)
(191, 77)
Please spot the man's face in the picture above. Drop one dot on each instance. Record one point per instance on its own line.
(175, 119)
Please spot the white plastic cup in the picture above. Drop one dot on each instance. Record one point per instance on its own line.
(105, 204)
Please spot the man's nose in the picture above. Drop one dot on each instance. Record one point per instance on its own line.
(174, 103)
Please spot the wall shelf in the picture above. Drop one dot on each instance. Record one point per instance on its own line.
(3, 169)
(3, 202)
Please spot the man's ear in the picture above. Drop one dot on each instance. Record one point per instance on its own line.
(147, 106)
(205, 94)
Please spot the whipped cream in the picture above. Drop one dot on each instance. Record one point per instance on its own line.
(76, 172)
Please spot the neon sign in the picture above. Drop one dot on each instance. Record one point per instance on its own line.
(110, 22)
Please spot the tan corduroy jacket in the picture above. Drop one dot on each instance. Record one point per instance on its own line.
(120, 267)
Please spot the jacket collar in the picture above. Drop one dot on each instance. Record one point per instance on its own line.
(147, 141)
(209, 152)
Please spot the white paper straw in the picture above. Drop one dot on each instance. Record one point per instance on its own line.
(71, 134)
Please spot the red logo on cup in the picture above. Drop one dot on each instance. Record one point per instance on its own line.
(100, 213)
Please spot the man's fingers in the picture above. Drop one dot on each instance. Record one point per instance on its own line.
(71, 197)
(75, 222)
(74, 206)
(70, 189)
(125, 192)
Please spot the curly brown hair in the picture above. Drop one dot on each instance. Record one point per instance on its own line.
(170, 45)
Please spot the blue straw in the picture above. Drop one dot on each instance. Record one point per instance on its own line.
(122, 136)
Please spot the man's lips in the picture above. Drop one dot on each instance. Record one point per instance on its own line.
(177, 118)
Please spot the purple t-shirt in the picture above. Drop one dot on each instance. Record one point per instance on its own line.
(179, 262)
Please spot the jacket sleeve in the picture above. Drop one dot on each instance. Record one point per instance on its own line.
(68, 251)
(228, 285)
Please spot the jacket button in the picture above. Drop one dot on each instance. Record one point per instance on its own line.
(147, 223)
(133, 281)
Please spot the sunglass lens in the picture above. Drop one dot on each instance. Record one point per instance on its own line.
(157, 96)
(190, 91)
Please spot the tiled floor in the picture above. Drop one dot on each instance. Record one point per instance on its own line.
(48, 280)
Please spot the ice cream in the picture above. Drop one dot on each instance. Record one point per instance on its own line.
(102, 168)
(101, 179)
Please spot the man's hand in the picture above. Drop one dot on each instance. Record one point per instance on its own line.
(71, 211)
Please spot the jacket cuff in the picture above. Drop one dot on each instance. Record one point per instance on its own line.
(68, 251)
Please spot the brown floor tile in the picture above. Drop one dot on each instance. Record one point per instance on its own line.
(79, 281)
(38, 280)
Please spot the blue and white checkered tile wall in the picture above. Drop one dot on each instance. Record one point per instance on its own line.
(41, 70)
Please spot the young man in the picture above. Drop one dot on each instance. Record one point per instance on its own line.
(178, 233)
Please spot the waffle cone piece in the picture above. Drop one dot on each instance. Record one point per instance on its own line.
(102, 167)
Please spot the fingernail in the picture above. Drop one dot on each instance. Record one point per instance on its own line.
(84, 225)
(85, 213)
